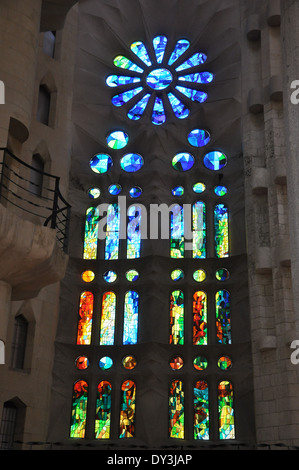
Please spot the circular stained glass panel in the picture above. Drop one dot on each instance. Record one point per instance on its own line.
(176, 363)
(131, 162)
(82, 362)
(110, 276)
(135, 192)
(129, 362)
(88, 276)
(199, 275)
(200, 363)
(199, 188)
(114, 189)
(159, 79)
(215, 160)
(105, 363)
(224, 363)
(117, 140)
(94, 193)
(100, 163)
(178, 191)
(177, 275)
(220, 190)
(183, 161)
(222, 274)
(132, 275)
(199, 137)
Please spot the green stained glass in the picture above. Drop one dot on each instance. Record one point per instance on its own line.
(108, 319)
(177, 275)
(79, 409)
(176, 410)
(91, 233)
(199, 275)
(221, 231)
(224, 363)
(124, 63)
(226, 411)
(222, 274)
(200, 363)
(177, 317)
(132, 275)
(200, 320)
(117, 140)
(201, 411)
(223, 320)
(131, 307)
(103, 410)
(127, 409)
(199, 230)
(176, 232)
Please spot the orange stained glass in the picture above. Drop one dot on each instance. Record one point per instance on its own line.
(88, 276)
(85, 318)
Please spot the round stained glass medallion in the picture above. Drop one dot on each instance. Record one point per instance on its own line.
(224, 363)
(177, 275)
(215, 160)
(199, 188)
(88, 276)
(132, 275)
(220, 190)
(199, 275)
(129, 362)
(114, 189)
(94, 193)
(82, 362)
(105, 363)
(183, 161)
(158, 79)
(198, 137)
(176, 362)
(135, 191)
(177, 191)
(117, 140)
(200, 363)
(101, 163)
(222, 274)
(131, 162)
(110, 276)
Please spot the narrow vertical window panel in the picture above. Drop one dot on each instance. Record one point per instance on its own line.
(79, 409)
(177, 317)
(134, 232)
(131, 306)
(108, 319)
(200, 320)
(91, 233)
(199, 230)
(177, 232)
(221, 231)
(103, 410)
(223, 317)
(226, 410)
(127, 409)
(85, 318)
(112, 232)
(201, 411)
(176, 410)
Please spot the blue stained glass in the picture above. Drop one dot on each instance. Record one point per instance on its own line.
(183, 161)
(197, 59)
(160, 43)
(199, 137)
(199, 188)
(124, 63)
(180, 47)
(122, 98)
(118, 80)
(131, 162)
(131, 318)
(140, 50)
(94, 193)
(136, 112)
(134, 232)
(114, 189)
(194, 95)
(202, 77)
(112, 232)
(179, 109)
(220, 190)
(101, 163)
(215, 160)
(178, 191)
(117, 139)
(110, 276)
(158, 79)
(158, 116)
(135, 191)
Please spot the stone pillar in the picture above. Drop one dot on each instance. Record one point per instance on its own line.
(5, 297)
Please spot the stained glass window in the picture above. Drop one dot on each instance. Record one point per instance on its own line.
(108, 319)
(103, 410)
(223, 320)
(131, 162)
(177, 275)
(196, 59)
(199, 275)
(176, 362)
(105, 363)
(201, 411)
(176, 410)
(94, 193)
(193, 94)
(200, 318)
(118, 80)
(181, 46)
(129, 362)
(132, 275)
(200, 363)
(176, 232)
(183, 161)
(127, 409)
(160, 43)
(215, 160)
(117, 139)
(112, 232)
(222, 274)
(79, 409)
(199, 188)
(224, 362)
(180, 110)
(114, 189)
(140, 50)
(134, 232)
(110, 276)
(177, 317)
(136, 191)
(201, 77)
(88, 276)
(101, 163)
(177, 191)
(199, 229)
(85, 318)
(199, 137)
(220, 190)
(91, 233)
(82, 362)
(226, 410)
(131, 317)
(221, 231)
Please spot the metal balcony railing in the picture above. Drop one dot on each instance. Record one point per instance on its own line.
(29, 190)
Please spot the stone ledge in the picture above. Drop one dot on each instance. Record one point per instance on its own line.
(267, 343)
